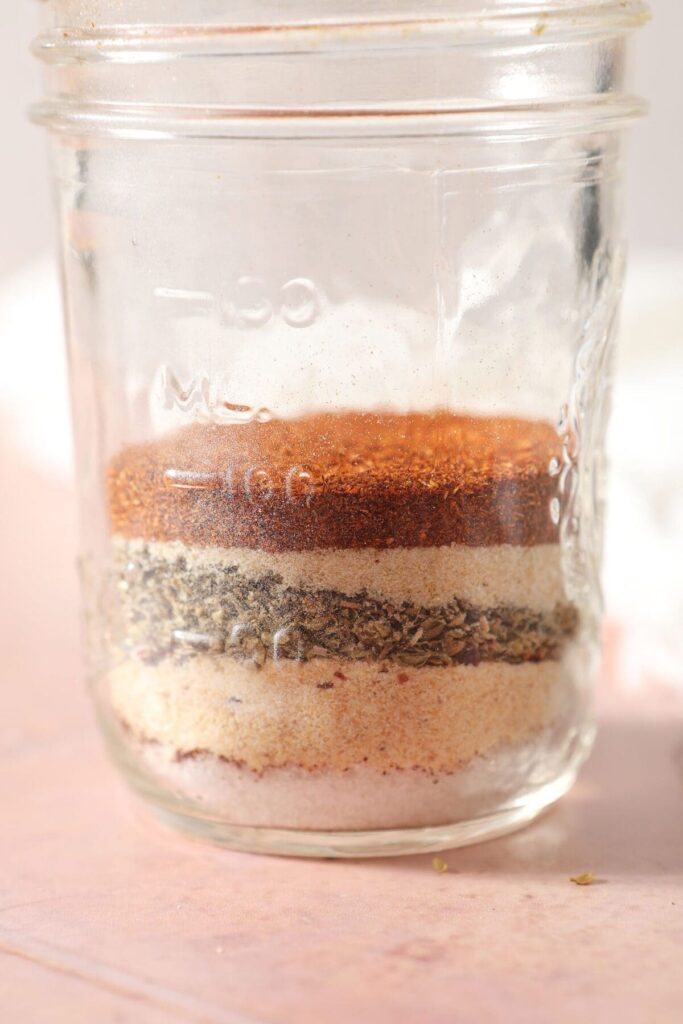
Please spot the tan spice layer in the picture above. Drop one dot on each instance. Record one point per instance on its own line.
(350, 480)
(336, 715)
(491, 576)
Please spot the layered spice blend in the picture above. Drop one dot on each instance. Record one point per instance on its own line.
(337, 610)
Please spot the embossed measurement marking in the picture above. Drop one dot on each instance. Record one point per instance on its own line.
(190, 480)
(185, 295)
(256, 483)
(252, 302)
(197, 641)
(199, 393)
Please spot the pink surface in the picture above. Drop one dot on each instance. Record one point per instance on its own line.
(107, 917)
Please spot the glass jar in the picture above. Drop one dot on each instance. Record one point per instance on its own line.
(340, 297)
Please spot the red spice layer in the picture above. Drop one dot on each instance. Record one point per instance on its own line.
(346, 480)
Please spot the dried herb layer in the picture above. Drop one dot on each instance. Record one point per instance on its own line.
(168, 608)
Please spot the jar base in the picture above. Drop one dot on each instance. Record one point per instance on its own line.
(371, 843)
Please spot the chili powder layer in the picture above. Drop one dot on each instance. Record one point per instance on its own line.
(346, 480)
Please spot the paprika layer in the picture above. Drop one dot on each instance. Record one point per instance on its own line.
(342, 481)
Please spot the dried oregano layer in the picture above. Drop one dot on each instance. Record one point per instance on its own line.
(167, 608)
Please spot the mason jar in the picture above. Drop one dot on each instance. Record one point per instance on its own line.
(340, 290)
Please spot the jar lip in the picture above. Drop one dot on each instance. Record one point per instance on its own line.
(513, 22)
(523, 122)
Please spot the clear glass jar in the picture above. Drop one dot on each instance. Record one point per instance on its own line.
(340, 299)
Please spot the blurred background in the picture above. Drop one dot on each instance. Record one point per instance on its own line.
(643, 577)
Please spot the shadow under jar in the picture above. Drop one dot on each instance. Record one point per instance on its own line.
(340, 300)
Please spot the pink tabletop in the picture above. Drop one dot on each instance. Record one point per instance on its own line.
(106, 917)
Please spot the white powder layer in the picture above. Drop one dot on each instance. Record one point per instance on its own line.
(336, 714)
(486, 576)
(361, 798)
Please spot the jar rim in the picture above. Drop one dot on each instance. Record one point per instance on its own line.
(437, 26)
(522, 69)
